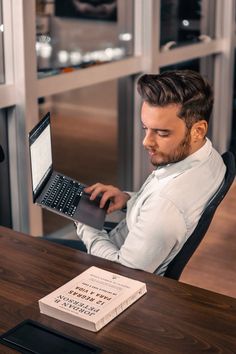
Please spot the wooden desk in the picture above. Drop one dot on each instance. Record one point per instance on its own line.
(171, 318)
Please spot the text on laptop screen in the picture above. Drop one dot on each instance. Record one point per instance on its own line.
(41, 154)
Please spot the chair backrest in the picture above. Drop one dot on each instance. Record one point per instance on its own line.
(1, 154)
(178, 263)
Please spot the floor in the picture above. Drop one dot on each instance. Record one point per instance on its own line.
(213, 266)
(82, 145)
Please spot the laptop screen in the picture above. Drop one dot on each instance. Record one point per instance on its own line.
(40, 153)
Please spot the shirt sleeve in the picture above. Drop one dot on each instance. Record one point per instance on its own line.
(158, 233)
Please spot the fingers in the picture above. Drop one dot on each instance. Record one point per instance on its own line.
(105, 197)
(95, 190)
(100, 189)
(113, 207)
(107, 192)
(90, 189)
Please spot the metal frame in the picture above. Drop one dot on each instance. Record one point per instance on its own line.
(8, 42)
(21, 118)
(193, 51)
(21, 90)
(147, 34)
(86, 77)
(8, 90)
(224, 75)
(7, 95)
(2, 71)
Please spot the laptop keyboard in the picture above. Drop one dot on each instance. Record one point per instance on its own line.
(63, 195)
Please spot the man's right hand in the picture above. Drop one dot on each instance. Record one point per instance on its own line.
(116, 196)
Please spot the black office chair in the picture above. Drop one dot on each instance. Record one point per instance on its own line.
(176, 266)
(2, 156)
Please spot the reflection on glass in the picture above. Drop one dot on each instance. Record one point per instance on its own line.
(74, 34)
(186, 21)
(2, 77)
(204, 66)
(84, 137)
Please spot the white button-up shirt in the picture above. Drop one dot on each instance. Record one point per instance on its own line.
(161, 215)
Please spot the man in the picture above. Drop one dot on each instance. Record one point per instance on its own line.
(188, 171)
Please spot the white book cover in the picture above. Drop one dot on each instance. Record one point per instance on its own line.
(92, 299)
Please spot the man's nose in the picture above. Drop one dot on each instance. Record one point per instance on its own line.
(148, 140)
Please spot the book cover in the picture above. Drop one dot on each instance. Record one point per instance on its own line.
(92, 299)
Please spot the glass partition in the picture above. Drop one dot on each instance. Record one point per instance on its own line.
(2, 76)
(186, 21)
(84, 138)
(74, 34)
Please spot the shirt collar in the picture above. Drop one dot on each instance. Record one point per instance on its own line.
(189, 162)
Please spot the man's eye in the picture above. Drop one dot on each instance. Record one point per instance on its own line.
(162, 133)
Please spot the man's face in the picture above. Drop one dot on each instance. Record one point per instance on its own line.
(167, 139)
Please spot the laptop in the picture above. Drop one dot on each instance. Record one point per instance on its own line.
(55, 191)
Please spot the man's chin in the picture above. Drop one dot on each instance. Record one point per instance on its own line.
(158, 162)
(162, 163)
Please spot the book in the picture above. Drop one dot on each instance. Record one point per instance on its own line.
(92, 299)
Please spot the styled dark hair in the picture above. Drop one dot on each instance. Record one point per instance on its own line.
(186, 88)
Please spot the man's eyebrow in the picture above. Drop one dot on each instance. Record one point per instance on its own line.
(161, 130)
(158, 129)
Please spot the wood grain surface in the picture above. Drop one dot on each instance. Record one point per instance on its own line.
(172, 317)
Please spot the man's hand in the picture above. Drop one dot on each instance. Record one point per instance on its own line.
(117, 197)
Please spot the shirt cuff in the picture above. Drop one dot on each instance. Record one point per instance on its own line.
(81, 228)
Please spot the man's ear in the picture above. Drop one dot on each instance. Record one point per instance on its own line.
(199, 130)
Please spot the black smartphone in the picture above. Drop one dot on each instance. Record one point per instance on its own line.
(32, 337)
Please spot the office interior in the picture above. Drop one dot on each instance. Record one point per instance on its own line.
(83, 66)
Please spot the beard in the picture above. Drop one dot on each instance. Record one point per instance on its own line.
(179, 154)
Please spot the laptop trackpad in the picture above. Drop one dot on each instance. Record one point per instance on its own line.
(89, 212)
